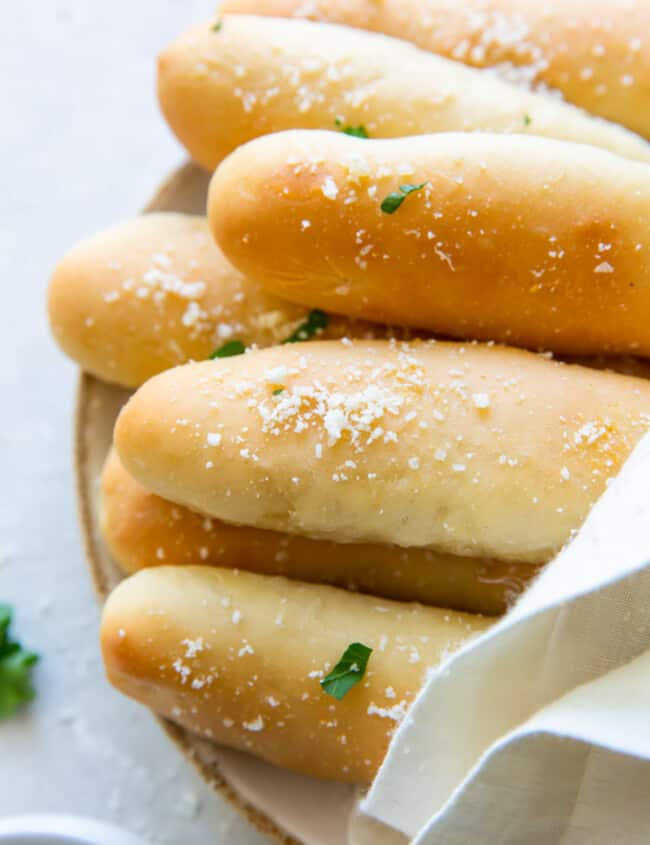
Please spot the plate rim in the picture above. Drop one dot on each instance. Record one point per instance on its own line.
(180, 737)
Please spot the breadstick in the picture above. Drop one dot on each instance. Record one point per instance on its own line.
(466, 449)
(596, 53)
(528, 241)
(155, 292)
(142, 530)
(259, 75)
(238, 658)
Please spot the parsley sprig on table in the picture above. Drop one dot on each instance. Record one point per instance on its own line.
(16, 665)
(348, 671)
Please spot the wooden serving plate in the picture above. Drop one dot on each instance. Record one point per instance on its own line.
(289, 808)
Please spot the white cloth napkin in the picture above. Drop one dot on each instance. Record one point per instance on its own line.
(539, 732)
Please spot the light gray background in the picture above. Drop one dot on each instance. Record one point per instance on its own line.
(82, 146)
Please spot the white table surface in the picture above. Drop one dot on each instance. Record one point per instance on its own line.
(82, 146)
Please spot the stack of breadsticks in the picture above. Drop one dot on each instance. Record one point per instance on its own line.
(305, 466)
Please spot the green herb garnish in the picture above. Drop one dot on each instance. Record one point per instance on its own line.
(316, 321)
(527, 120)
(392, 202)
(348, 671)
(278, 391)
(359, 131)
(216, 26)
(356, 131)
(232, 347)
(15, 669)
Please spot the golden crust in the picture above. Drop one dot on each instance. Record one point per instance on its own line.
(237, 658)
(528, 241)
(255, 76)
(143, 530)
(596, 53)
(465, 449)
(155, 292)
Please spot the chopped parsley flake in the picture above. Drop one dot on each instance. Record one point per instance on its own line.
(316, 321)
(348, 671)
(527, 120)
(355, 131)
(392, 202)
(216, 26)
(232, 347)
(15, 669)
(278, 391)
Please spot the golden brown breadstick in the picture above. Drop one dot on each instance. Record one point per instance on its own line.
(528, 241)
(238, 657)
(154, 292)
(596, 53)
(466, 449)
(259, 75)
(143, 530)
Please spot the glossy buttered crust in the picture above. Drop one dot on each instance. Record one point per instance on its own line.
(238, 657)
(465, 449)
(154, 292)
(143, 530)
(527, 241)
(596, 53)
(259, 75)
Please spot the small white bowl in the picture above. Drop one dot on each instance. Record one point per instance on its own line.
(62, 830)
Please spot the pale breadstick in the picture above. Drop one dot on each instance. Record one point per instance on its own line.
(466, 449)
(238, 657)
(597, 53)
(528, 241)
(154, 292)
(260, 75)
(142, 530)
